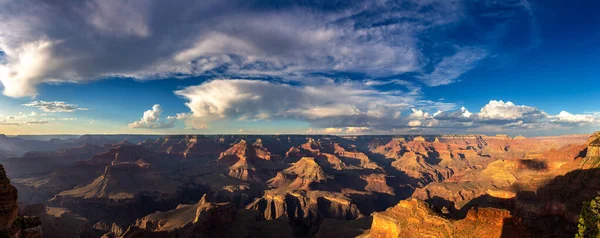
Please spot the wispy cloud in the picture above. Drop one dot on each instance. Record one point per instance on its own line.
(55, 106)
(452, 67)
(22, 123)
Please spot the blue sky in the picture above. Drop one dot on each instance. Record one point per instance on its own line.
(345, 67)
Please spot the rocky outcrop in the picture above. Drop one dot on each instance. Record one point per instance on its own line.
(204, 214)
(355, 158)
(250, 162)
(8, 201)
(593, 150)
(392, 150)
(12, 225)
(301, 175)
(414, 218)
(309, 207)
(60, 222)
(206, 219)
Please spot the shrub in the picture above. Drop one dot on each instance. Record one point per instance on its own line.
(589, 220)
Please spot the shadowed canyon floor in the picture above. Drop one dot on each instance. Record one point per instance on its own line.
(299, 185)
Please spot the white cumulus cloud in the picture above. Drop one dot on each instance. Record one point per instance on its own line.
(567, 117)
(510, 115)
(151, 120)
(336, 104)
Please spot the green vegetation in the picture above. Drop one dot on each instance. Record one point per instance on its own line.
(589, 220)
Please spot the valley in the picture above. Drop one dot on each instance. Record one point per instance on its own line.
(303, 185)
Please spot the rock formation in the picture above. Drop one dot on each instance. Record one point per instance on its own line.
(250, 162)
(301, 175)
(310, 207)
(207, 219)
(311, 184)
(204, 213)
(8, 201)
(60, 222)
(12, 225)
(128, 188)
(500, 179)
(414, 218)
(593, 150)
(124, 181)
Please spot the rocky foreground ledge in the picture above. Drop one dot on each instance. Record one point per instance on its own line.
(12, 225)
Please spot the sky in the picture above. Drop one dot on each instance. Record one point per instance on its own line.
(299, 67)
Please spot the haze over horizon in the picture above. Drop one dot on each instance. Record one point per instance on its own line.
(260, 67)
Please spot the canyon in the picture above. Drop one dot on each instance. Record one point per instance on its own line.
(297, 185)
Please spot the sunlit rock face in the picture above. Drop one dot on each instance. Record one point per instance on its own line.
(250, 162)
(310, 207)
(300, 192)
(414, 218)
(594, 146)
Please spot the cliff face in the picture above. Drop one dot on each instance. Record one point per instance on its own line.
(310, 207)
(11, 225)
(594, 146)
(8, 201)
